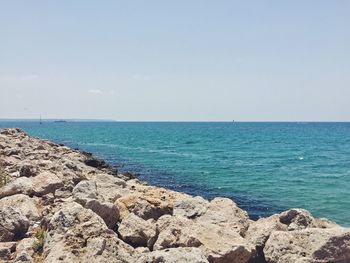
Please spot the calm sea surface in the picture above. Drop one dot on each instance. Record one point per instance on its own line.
(264, 167)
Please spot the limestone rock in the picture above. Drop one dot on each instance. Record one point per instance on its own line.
(190, 207)
(297, 219)
(46, 182)
(309, 245)
(22, 185)
(174, 255)
(76, 234)
(137, 231)
(107, 211)
(224, 212)
(84, 191)
(24, 203)
(13, 224)
(219, 244)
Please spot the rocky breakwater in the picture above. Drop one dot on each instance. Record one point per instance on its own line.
(62, 205)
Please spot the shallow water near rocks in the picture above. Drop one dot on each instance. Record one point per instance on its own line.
(264, 167)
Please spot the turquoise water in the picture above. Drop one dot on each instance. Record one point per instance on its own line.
(264, 167)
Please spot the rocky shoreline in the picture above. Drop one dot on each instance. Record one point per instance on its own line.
(62, 205)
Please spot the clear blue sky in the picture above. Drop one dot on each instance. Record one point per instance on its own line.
(175, 60)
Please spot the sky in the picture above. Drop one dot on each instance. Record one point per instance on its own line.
(184, 60)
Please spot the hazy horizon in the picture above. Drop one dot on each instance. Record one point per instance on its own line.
(175, 61)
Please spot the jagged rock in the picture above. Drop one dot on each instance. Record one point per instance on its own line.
(191, 207)
(24, 203)
(76, 234)
(174, 255)
(137, 232)
(297, 219)
(259, 232)
(46, 182)
(175, 231)
(309, 245)
(147, 202)
(13, 224)
(22, 185)
(224, 212)
(107, 211)
(219, 244)
(85, 191)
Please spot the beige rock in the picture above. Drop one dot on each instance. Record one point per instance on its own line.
(297, 219)
(76, 234)
(22, 185)
(137, 231)
(24, 203)
(174, 255)
(224, 212)
(149, 202)
(309, 245)
(46, 182)
(218, 243)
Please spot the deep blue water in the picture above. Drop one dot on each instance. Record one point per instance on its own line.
(264, 167)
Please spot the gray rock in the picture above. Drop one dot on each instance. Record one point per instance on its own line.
(13, 224)
(190, 207)
(27, 170)
(85, 191)
(137, 232)
(107, 211)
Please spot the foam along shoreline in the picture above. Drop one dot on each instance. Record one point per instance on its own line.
(61, 205)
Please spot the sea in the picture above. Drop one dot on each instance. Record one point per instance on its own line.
(264, 167)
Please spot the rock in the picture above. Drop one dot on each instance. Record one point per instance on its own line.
(84, 191)
(219, 244)
(46, 182)
(309, 245)
(297, 219)
(96, 163)
(175, 231)
(147, 202)
(13, 224)
(224, 212)
(191, 207)
(22, 185)
(23, 257)
(259, 232)
(24, 203)
(174, 255)
(6, 248)
(27, 170)
(107, 211)
(137, 232)
(76, 234)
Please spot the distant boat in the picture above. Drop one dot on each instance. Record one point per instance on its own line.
(60, 121)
